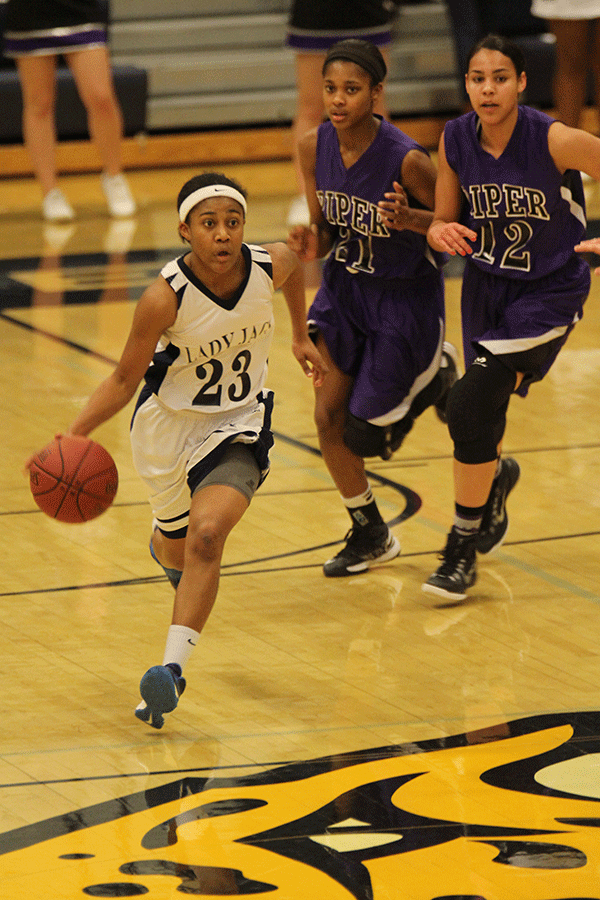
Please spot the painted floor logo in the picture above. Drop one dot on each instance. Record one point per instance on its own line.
(507, 814)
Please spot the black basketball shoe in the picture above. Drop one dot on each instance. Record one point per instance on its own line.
(365, 545)
(494, 524)
(458, 570)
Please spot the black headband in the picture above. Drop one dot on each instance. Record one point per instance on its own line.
(361, 53)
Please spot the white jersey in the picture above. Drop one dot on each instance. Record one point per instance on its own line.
(213, 359)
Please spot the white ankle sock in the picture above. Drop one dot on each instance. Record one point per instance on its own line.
(360, 500)
(181, 640)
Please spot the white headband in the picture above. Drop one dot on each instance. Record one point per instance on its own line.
(211, 190)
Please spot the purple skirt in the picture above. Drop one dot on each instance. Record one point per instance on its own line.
(317, 26)
(48, 27)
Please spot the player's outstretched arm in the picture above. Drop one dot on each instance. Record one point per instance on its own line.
(154, 313)
(288, 275)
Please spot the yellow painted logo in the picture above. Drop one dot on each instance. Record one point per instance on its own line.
(509, 814)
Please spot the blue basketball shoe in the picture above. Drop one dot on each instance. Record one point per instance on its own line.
(161, 687)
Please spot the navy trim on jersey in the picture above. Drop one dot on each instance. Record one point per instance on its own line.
(179, 294)
(145, 392)
(230, 303)
(162, 360)
(267, 264)
(159, 367)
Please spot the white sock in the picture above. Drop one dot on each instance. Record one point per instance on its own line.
(360, 500)
(181, 640)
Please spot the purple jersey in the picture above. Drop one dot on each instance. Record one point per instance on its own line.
(528, 216)
(349, 199)
(380, 306)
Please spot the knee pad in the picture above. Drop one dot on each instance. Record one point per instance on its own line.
(366, 439)
(477, 407)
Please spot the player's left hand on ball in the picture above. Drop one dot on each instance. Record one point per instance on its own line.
(30, 459)
(27, 464)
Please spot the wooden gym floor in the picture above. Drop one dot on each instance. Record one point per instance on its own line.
(338, 739)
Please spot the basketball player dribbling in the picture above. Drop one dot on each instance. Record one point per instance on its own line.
(200, 432)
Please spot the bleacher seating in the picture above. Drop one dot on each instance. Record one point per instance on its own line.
(225, 64)
(192, 65)
(211, 65)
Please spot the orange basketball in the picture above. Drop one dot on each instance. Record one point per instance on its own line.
(73, 479)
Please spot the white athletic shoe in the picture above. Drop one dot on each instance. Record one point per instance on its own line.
(118, 196)
(56, 207)
(56, 234)
(298, 213)
(119, 235)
